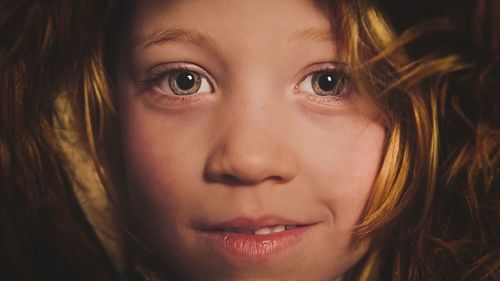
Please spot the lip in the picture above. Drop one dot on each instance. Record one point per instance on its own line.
(251, 246)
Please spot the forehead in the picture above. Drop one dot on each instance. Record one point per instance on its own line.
(241, 21)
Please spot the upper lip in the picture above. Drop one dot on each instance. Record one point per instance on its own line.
(249, 223)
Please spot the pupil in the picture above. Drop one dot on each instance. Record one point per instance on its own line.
(185, 81)
(326, 82)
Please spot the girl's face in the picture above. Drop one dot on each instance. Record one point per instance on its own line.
(249, 155)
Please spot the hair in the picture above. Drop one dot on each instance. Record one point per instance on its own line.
(432, 69)
(434, 207)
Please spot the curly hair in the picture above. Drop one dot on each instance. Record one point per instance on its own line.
(435, 205)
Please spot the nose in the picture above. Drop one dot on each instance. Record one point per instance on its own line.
(251, 148)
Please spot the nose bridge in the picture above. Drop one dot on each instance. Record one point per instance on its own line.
(250, 145)
(253, 102)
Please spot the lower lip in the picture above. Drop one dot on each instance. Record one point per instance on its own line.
(255, 246)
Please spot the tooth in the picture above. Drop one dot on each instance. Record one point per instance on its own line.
(268, 230)
(260, 231)
(263, 231)
(279, 228)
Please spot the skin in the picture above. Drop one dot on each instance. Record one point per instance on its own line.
(259, 143)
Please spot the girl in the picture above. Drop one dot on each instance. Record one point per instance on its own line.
(249, 140)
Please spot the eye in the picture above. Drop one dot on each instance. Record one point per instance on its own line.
(183, 83)
(325, 83)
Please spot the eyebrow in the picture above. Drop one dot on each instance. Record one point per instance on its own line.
(312, 34)
(198, 38)
(173, 35)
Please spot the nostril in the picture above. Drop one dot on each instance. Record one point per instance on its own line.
(230, 179)
(234, 180)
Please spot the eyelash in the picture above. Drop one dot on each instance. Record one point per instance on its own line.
(338, 70)
(160, 73)
(157, 74)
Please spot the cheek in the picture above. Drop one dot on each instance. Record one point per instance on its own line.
(344, 166)
(164, 161)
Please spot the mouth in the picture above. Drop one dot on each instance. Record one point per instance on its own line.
(258, 239)
(257, 231)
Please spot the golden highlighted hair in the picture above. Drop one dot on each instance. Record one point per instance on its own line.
(47, 48)
(435, 204)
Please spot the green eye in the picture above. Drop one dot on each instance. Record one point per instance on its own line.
(184, 82)
(325, 83)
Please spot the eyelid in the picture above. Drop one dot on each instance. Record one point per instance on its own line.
(326, 102)
(159, 71)
(319, 67)
(322, 66)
